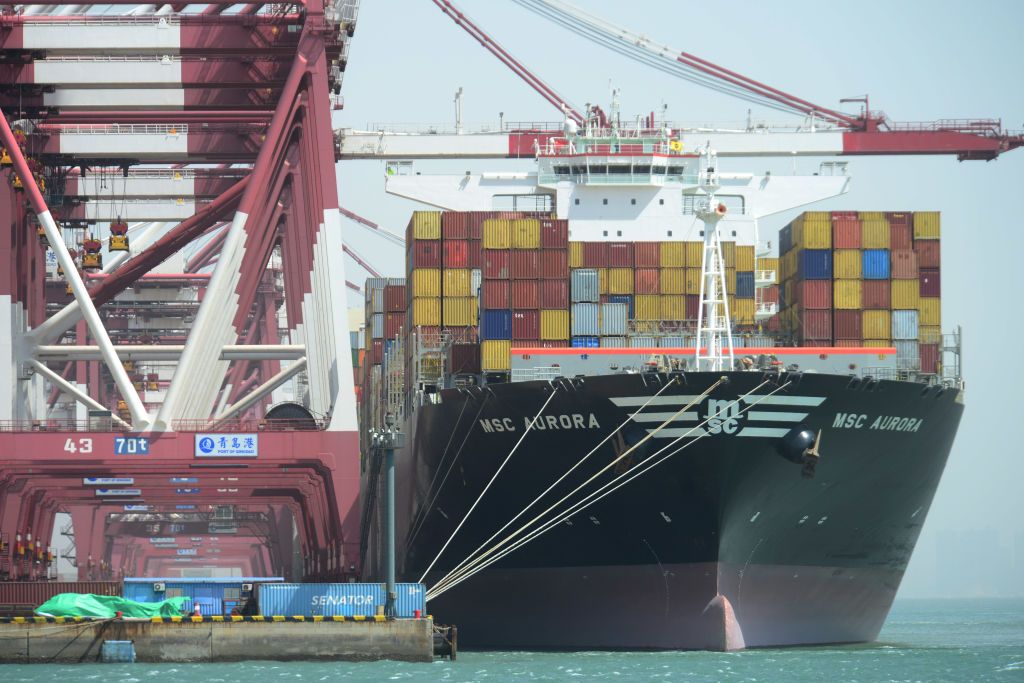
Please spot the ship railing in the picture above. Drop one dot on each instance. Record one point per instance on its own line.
(59, 425)
(249, 425)
(169, 129)
(765, 278)
(106, 20)
(537, 374)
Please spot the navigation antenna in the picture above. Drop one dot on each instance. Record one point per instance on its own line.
(714, 333)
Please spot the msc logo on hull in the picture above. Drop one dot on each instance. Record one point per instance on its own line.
(751, 415)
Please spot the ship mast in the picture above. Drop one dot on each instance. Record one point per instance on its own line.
(714, 349)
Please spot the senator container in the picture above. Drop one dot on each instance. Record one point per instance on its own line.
(584, 285)
(338, 599)
(614, 318)
(875, 264)
(585, 319)
(496, 324)
(904, 325)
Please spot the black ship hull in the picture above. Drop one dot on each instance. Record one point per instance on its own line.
(724, 544)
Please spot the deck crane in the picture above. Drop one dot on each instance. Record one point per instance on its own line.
(824, 132)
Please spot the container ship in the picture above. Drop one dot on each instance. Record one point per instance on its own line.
(631, 422)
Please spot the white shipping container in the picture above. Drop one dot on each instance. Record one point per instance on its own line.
(643, 341)
(377, 323)
(476, 278)
(905, 325)
(584, 286)
(613, 342)
(585, 320)
(614, 318)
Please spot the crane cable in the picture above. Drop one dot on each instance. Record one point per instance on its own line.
(493, 477)
(471, 559)
(616, 483)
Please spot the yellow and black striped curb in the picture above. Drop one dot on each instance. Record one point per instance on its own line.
(199, 620)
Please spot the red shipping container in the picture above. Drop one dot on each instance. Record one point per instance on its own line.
(647, 254)
(464, 335)
(595, 254)
(475, 254)
(20, 598)
(554, 264)
(816, 294)
(620, 255)
(904, 264)
(525, 264)
(526, 344)
(844, 215)
(770, 294)
(394, 298)
(525, 294)
(428, 330)
(554, 294)
(845, 232)
(931, 284)
(928, 253)
(496, 294)
(393, 324)
(848, 343)
(900, 236)
(929, 354)
(377, 351)
(496, 264)
(525, 325)
(464, 358)
(692, 306)
(646, 281)
(456, 253)
(425, 254)
(454, 225)
(876, 294)
(554, 233)
(815, 324)
(847, 325)
(899, 218)
(552, 344)
(773, 324)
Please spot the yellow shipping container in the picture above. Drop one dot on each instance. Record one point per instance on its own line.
(426, 282)
(602, 280)
(673, 280)
(554, 325)
(877, 343)
(647, 307)
(692, 281)
(930, 311)
(526, 233)
(497, 233)
(426, 225)
(846, 264)
(744, 258)
(817, 216)
(730, 280)
(673, 254)
(906, 294)
(874, 234)
(495, 354)
(769, 263)
(743, 313)
(426, 310)
(876, 324)
(620, 281)
(694, 254)
(458, 311)
(927, 225)
(871, 215)
(812, 233)
(673, 307)
(456, 282)
(847, 294)
(929, 334)
(729, 254)
(575, 254)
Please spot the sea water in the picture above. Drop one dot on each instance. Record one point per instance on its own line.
(933, 640)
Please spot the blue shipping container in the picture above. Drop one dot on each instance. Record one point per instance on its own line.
(745, 285)
(338, 599)
(496, 324)
(875, 264)
(814, 264)
(214, 596)
(584, 285)
(585, 320)
(786, 239)
(622, 299)
(585, 342)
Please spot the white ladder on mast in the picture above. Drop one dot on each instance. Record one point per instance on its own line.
(714, 350)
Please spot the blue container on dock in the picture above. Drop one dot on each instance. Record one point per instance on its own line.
(117, 652)
(496, 324)
(814, 264)
(622, 299)
(745, 285)
(875, 264)
(214, 596)
(586, 342)
(338, 599)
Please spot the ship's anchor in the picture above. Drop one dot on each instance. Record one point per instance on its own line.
(811, 457)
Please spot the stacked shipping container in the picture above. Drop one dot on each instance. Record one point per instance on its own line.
(856, 279)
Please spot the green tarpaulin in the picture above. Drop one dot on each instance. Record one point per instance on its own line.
(107, 606)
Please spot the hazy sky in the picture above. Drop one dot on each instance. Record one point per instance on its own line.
(919, 61)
